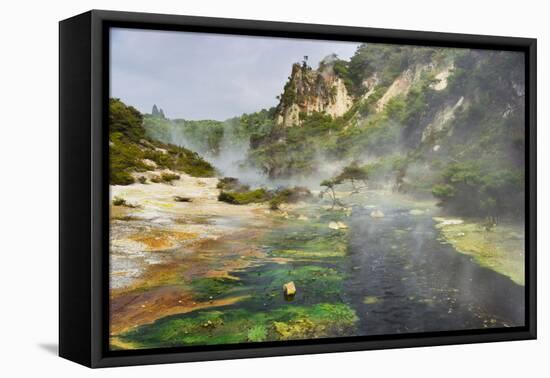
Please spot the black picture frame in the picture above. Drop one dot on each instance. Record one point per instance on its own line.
(84, 187)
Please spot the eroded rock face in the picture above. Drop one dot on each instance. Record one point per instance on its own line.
(441, 121)
(400, 86)
(403, 83)
(309, 91)
(370, 85)
(442, 77)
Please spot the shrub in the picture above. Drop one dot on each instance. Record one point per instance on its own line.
(142, 180)
(231, 183)
(169, 177)
(243, 198)
(288, 195)
(117, 201)
(120, 178)
(165, 177)
(182, 199)
(354, 172)
(443, 191)
(275, 203)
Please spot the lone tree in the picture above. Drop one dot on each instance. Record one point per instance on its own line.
(304, 62)
(354, 173)
(329, 185)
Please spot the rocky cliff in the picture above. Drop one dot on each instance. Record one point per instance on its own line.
(443, 121)
(311, 91)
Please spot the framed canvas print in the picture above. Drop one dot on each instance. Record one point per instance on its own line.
(233, 188)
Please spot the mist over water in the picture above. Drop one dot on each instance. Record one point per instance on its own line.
(418, 284)
(401, 279)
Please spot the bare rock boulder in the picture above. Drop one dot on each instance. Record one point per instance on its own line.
(289, 289)
(377, 214)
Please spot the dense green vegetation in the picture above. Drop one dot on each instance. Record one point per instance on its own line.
(208, 136)
(241, 326)
(244, 197)
(204, 135)
(484, 170)
(233, 192)
(474, 187)
(165, 177)
(130, 146)
(487, 126)
(476, 154)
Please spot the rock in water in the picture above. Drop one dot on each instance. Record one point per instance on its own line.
(377, 214)
(337, 225)
(447, 222)
(341, 225)
(289, 289)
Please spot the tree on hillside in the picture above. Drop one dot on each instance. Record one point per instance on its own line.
(304, 62)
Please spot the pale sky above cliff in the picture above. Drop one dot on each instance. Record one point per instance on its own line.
(207, 76)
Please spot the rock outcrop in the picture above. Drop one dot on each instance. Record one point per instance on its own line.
(441, 122)
(309, 91)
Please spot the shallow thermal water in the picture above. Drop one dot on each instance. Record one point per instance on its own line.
(403, 279)
(395, 273)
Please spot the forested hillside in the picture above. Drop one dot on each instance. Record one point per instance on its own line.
(446, 122)
(132, 151)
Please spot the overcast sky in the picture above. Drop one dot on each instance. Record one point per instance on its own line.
(207, 76)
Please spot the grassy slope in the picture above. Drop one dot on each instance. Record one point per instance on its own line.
(129, 146)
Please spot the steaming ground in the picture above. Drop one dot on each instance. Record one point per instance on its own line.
(403, 271)
(392, 262)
